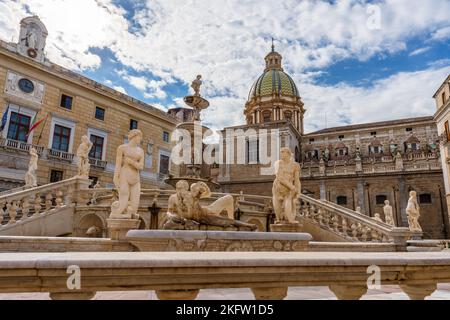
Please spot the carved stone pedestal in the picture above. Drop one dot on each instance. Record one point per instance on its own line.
(74, 295)
(278, 293)
(177, 294)
(118, 228)
(417, 235)
(286, 227)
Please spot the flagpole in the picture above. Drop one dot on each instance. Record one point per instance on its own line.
(42, 130)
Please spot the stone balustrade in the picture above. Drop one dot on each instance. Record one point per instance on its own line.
(19, 206)
(19, 145)
(350, 225)
(60, 155)
(181, 275)
(98, 163)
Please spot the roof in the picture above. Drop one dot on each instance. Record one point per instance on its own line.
(273, 81)
(372, 125)
(442, 85)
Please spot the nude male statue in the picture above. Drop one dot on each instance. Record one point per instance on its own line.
(129, 162)
(286, 187)
(83, 157)
(413, 213)
(388, 215)
(185, 211)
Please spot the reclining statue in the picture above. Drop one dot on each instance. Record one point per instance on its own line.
(186, 212)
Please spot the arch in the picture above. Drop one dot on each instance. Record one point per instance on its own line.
(36, 21)
(88, 221)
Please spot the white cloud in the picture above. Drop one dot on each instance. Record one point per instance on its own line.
(120, 89)
(419, 51)
(441, 34)
(226, 40)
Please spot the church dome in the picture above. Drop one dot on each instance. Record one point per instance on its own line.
(274, 81)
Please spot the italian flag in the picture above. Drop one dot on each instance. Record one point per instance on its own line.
(35, 124)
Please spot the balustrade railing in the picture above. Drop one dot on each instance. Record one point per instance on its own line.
(60, 155)
(349, 224)
(98, 163)
(19, 145)
(24, 204)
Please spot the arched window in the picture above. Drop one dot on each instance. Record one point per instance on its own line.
(288, 115)
(341, 200)
(267, 116)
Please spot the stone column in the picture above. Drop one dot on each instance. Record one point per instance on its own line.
(323, 190)
(419, 291)
(403, 200)
(360, 195)
(272, 293)
(348, 292)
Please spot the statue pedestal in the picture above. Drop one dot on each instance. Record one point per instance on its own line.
(286, 227)
(416, 235)
(118, 228)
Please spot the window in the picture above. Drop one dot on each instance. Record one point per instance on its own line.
(425, 198)
(341, 152)
(288, 115)
(252, 151)
(164, 164)
(311, 140)
(267, 116)
(313, 154)
(61, 138)
(55, 176)
(66, 102)
(444, 98)
(133, 124)
(166, 136)
(373, 134)
(380, 199)
(341, 137)
(97, 147)
(341, 200)
(409, 129)
(99, 113)
(19, 125)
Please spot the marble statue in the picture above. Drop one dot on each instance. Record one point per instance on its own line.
(196, 84)
(30, 176)
(95, 193)
(31, 39)
(93, 232)
(185, 211)
(388, 215)
(377, 217)
(358, 209)
(129, 163)
(398, 161)
(413, 213)
(286, 187)
(83, 157)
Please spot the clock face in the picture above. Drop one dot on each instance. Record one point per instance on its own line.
(26, 85)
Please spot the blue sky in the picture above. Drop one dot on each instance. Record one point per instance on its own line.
(353, 61)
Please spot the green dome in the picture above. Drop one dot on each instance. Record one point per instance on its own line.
(274, 81)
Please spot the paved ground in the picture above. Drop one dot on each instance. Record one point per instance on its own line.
(295, 293)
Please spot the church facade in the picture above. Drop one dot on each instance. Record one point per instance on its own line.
(356, 166)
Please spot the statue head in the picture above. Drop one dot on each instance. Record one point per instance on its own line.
(412, 194)
(199, 77)
(33, 151)
(135, 134)
(286, 154)
(182, 185)
(377, 216)
(200, 190)
(85, 139)
(386, 202)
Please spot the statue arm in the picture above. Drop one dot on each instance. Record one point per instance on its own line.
(138, 165)
(297, 183)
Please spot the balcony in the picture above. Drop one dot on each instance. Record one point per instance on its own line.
(98, 163)
(60, 155)
(19, 146)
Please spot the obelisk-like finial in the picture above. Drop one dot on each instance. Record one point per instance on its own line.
(273, 45)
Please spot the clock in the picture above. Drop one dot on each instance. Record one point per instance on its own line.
(26, 85)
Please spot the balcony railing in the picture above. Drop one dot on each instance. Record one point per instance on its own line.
(98, 163)
(60, 155)
(19, 145)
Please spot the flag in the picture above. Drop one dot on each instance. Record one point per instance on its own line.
(4, 119)
(35, 124)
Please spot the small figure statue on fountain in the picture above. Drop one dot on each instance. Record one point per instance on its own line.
(196, 84)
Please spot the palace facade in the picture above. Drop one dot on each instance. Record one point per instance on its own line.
(356, 166)
(70, 106)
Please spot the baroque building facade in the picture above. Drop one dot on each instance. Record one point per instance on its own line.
(356, 166)
(69, 105)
